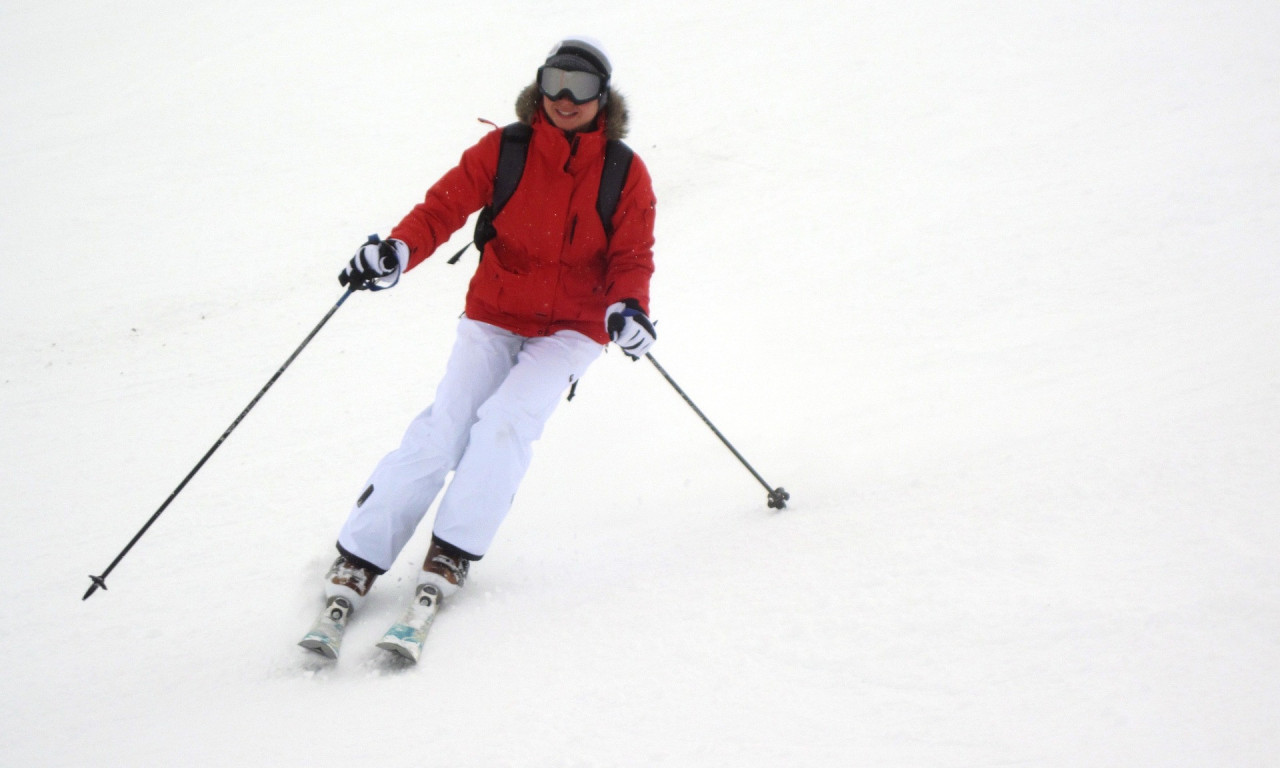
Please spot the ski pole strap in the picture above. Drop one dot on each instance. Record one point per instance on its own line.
(458, 255)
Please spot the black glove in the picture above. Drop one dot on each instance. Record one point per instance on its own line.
(377, 265)
(629, 328)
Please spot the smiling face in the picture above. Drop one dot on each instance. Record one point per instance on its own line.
(568, 116)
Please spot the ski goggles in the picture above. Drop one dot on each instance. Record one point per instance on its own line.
(580, 87)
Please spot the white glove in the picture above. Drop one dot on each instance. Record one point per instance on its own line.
(377, 265)
(629, 328)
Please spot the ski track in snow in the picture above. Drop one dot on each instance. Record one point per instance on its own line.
(989, 288)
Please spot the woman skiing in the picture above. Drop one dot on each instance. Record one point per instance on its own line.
(555, 283)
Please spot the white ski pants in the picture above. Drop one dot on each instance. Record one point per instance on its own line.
(497, 393)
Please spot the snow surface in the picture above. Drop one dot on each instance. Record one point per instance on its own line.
(989, 287)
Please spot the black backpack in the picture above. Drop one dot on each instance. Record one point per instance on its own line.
(511, 156)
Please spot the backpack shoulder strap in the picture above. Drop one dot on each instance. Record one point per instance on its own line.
(511, 156)
(617, 164)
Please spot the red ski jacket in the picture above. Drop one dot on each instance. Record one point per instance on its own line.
(551, 267)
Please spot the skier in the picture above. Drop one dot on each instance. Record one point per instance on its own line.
(553, 287)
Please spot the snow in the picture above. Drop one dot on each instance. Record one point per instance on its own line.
(988, 287)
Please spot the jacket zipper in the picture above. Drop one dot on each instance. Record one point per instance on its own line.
(573, 227)
(573, 150)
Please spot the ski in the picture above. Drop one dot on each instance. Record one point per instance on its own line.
(325, 636)
(406, 636)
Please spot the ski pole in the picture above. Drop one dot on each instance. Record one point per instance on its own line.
(101, 581)
(777, 496)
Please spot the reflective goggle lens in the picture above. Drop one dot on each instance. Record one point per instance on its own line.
(580, 87)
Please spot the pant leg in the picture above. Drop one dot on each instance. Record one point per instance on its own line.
(500, 445)
(406, 481)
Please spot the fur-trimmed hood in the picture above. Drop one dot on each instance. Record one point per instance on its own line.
(615, 114)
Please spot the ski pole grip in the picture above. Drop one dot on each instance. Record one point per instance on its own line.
(374, 285)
